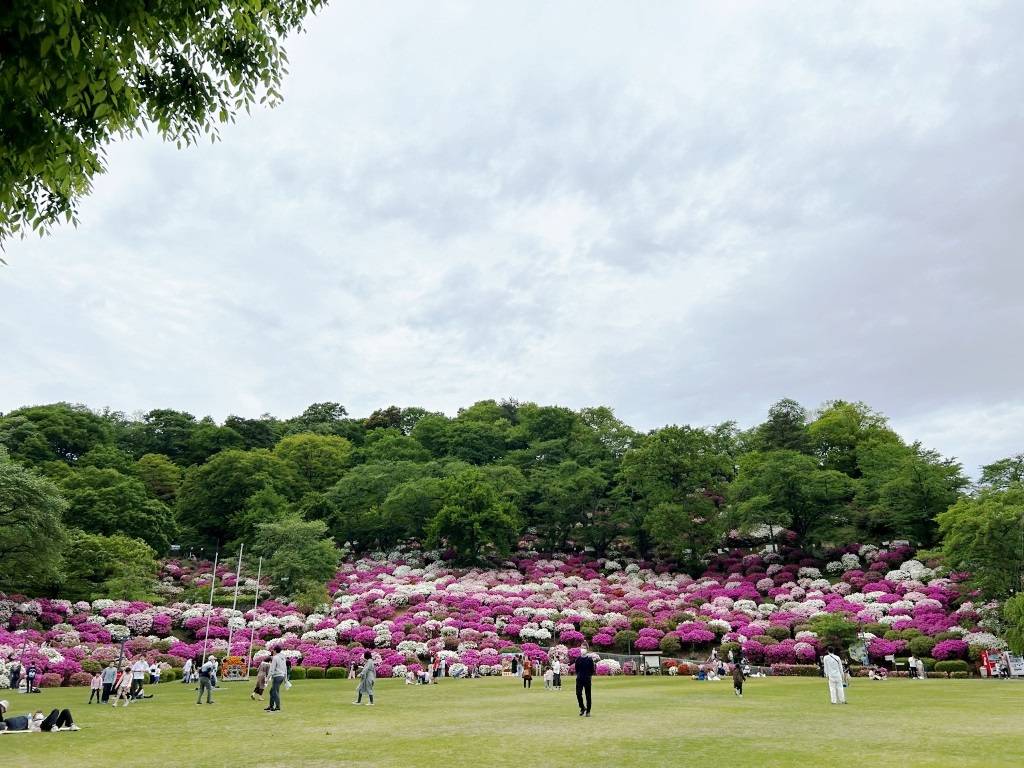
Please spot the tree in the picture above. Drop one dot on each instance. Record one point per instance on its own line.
(1013, 615)
(208, 439)
(1003, 474)
(984, 534)
(676, 466)
(160, 475)
(474, 522)
(836, 630)
(212, 498)
(58, 431)
(838, 430)
(105, 501)
(786, 489)
(685, 531)
(559, 499)
(118, 567)
(389, 444)
(299, 553)
(162, 431)
(354, 501)
(410, 506)
(77, 76)
(31, 533)
(106, 457)
(786, 428)
(924, 486)
(263, 432)
(600, 425)
(319, 460)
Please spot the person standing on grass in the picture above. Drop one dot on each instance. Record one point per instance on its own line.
(920, 670)
(585, 669)
(527, 674)
(737, 680)
(832, 666)
(139, 671)
(261, 680)
(556, 674)
(206, 673)
(186, 672)
(96, 688)
(278, 674)
(367, 677)
(911, 667)
(109, 677)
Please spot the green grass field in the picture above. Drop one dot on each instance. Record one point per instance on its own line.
(649, 722)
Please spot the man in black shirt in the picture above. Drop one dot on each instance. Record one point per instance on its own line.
(584, 675)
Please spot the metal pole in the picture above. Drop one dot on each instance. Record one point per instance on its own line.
(234, 603)
(209, 614)
(252, 629)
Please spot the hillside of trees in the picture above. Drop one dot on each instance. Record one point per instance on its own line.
(89, 500)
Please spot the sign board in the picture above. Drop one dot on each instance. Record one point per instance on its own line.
(234, 668)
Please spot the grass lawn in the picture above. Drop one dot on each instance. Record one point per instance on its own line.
(649, 722)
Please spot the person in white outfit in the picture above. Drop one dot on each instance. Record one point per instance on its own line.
(833, 667)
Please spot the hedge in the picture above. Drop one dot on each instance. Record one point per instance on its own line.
(298, 673)
(314, 673)
(952, 665)
(336, 673)
(796, 670)
(960, 675)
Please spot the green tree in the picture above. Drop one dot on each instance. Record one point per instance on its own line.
(560, 498)
(212, 498)
(685, 531)
(676, 466)
(836, 630)
(263, 432)
(105, 501)
(106, 457)
(1003, 474)
(600, 426)
(410, 506)
(319, 460)
(786, 489)
(389, 444)
(32, 535)
(57, 431)
(354, 501)
(837, 432)
(984, 534)
(77, 76)
(299, 553)
(208, 439)
(118, 567)
(785, 429)
(163, 431)
(475, 522)
(1013, 615)
(160, 475)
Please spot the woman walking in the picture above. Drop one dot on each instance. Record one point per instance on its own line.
(123, 688)
(527, 674)
(261, 681)
(367, 676)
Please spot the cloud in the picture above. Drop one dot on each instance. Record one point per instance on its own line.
(684, 212)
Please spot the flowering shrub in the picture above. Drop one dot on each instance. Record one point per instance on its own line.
(950, 649)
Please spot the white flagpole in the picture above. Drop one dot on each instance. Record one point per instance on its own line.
(209, 613)
(252, 629)
(234, 603)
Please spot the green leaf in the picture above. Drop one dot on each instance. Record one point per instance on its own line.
(76, 44)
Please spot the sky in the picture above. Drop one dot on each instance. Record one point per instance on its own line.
(684, 211)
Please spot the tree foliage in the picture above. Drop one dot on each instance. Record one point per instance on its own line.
(31, 532)
(76, 76)
(299, 553)
(118, 567)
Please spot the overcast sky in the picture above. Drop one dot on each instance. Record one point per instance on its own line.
(685, 212)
